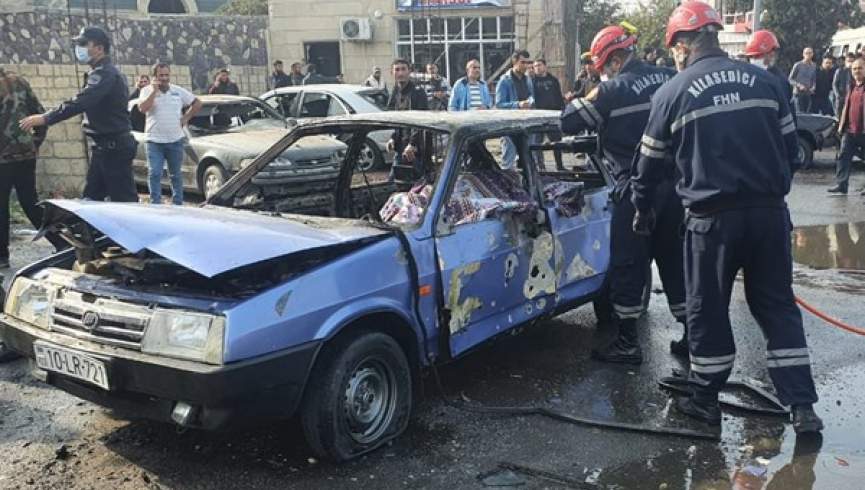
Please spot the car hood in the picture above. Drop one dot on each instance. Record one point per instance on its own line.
(211, 240)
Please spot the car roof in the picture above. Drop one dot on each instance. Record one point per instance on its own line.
(337, 88)
(483, 121)
(220, 99)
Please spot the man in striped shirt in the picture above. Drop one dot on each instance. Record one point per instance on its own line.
(470, 93)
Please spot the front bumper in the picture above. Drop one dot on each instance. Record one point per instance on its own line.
(147, 386)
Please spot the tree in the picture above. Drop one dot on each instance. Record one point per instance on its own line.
(592, 16)
(651, 22)
(801, 23)
(243, 7)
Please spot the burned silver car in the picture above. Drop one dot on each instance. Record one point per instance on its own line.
(227, 134)
(244, 308)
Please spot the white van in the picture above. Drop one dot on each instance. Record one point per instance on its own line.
(848, 41)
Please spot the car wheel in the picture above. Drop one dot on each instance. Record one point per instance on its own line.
(7, 354)
(806, 152)
(212, 179)
(359, 396)
(370, 156)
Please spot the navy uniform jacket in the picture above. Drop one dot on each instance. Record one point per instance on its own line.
(730, 130)
(103, 101)
(618, 110)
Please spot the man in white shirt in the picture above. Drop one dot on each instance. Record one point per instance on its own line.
(163, 104)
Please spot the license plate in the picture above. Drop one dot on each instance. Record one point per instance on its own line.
(71, 363)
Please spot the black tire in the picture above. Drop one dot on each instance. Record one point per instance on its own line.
(370, 157)
(806, 152)
(7, 354)
(603, 306)
(212, 178)
(369, 369)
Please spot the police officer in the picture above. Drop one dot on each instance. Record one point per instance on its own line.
(618, 109)
(106, 120)
(729, 126)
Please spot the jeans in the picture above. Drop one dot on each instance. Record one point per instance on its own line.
(822, 105)
(157, 155)
(509, 153)
(850, 145)
(803, 101)
(22, 177)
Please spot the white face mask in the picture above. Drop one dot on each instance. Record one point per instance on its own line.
(759, 63)
(81, 54)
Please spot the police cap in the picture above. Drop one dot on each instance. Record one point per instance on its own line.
(94, 34)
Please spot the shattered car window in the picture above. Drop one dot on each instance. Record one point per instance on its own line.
(486, 190)
(235, 116)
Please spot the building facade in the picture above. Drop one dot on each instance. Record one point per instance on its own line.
(350, 37)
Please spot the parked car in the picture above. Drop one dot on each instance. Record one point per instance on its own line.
(239, 310)
(815, 131)
(227, 133)
(317, 101)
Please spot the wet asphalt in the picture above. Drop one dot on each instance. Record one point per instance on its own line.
(547, 365)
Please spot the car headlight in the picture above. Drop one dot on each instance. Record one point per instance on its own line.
(29, 301)
(185, 335)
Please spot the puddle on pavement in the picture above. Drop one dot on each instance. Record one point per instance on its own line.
(754, 453)
(838, 246)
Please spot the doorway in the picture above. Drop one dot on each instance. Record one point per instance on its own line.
(325, 55)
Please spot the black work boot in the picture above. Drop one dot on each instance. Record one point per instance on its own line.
(703, 408)
(679, 348)
(805, 420)
(625, 349)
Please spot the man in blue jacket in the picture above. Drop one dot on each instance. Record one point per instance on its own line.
(514, 91)
(470, 93)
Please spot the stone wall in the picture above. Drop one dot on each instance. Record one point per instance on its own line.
(36, 45)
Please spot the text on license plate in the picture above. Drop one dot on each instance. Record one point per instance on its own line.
(71, 363)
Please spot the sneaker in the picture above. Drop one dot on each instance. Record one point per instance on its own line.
(805, 420)
(704, 411)
(837, 191)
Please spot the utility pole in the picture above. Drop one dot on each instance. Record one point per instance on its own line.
(758, 9)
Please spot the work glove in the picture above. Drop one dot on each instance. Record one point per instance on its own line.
(644, 222)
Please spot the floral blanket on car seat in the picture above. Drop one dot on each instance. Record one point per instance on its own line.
(568, 196)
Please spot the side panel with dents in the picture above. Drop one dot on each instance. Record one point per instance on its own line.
(318, 303)
(582, 247)
(495, 276)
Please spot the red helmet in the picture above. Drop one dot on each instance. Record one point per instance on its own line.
(606, 41)
(691, 16)
(761, 44)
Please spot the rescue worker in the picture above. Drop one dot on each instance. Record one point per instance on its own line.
(762, 51)
(618, 109)
(729, 126)
(103, 101)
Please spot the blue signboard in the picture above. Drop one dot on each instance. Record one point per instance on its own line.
(409, 5)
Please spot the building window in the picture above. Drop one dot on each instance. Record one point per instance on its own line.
(450, 42)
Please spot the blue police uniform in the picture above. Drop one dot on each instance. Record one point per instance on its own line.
(733, 136)
(103, 100)
(619, 111)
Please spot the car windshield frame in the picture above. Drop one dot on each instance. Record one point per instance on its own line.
(196, 130)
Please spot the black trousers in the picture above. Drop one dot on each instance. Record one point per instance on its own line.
(756, 241)
(631, 255)
(20, 176)
(110, 172)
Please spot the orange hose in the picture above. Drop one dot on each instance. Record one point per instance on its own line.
(829, 319)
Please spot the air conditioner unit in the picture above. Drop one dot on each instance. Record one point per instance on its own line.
(355, 29)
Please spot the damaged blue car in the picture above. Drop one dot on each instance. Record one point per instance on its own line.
(244, 308)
